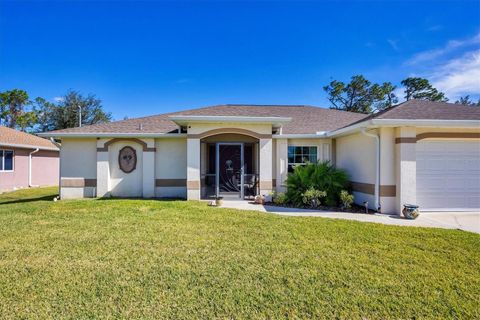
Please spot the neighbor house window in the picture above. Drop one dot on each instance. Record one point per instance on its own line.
(300, 156)
(6, 160)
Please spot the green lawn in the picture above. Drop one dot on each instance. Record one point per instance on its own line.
(177, 259)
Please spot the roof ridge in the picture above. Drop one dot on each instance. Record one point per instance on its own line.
(268, 105)
(381, 112)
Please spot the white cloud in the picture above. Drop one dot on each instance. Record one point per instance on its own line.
(453, 69)
(399, 92)
(459, 76)
(58, 99)
(450, 47)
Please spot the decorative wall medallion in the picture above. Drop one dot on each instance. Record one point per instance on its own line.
(127, 159)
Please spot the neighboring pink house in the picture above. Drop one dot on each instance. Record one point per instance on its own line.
(26, 160)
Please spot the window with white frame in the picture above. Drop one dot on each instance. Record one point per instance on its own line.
(6, 160)
(300, 155)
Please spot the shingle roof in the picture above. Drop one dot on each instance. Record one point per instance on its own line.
(305, 119)
(422, 109)
(425, 110)
(9, 137)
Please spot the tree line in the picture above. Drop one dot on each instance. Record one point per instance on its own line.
(362, 96)
(359, 95)
(18, 111)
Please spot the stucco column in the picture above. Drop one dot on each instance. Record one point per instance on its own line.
(282, 164)
(193, 169)
(103, 169)
(387, 170)
(148, 175)
(266, 173)
(406, 167)
(203, 168)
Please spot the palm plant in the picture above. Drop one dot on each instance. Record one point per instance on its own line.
(320, 176)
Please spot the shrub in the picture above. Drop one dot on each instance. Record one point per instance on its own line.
(346, 198)
(272, 195)
(312, 197)
(320, 176)
(280, 198)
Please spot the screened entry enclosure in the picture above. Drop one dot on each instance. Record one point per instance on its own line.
(229, 170)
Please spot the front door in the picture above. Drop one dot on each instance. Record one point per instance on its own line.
(230, 170)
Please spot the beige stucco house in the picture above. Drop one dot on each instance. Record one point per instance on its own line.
(420, 152)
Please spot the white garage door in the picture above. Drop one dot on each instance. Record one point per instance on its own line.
(448, 175)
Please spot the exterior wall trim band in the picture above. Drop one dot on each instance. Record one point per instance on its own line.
(193, 185)
(369, 188)
(77, 182)
(142, 143)
(430, 135)
(266, 184)
(170, 182)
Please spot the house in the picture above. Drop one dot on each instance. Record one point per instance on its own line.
(420, 152)
(26, 160)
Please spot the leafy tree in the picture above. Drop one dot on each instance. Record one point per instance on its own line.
(420, 88)
(65, 114)
(26, 121)
(354, 96)
(12, 106)
(360, 95)
(3, 112)
(44, 111)
(389, 99)
(466, 101)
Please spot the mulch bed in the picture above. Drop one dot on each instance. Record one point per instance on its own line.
(354, 209)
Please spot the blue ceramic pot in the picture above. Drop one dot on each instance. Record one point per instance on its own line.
(410, 211)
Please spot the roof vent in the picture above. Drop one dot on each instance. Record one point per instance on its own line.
(140, 126)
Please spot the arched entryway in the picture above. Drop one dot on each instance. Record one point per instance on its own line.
(229, 166)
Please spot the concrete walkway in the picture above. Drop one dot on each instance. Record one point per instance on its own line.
(467, 221)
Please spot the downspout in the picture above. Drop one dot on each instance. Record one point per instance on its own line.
(377, 166)
(30, 167)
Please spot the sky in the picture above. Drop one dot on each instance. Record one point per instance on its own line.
(151, 57)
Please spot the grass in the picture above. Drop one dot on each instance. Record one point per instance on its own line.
(177, 259)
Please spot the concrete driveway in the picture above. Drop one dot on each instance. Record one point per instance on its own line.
(467, 221)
